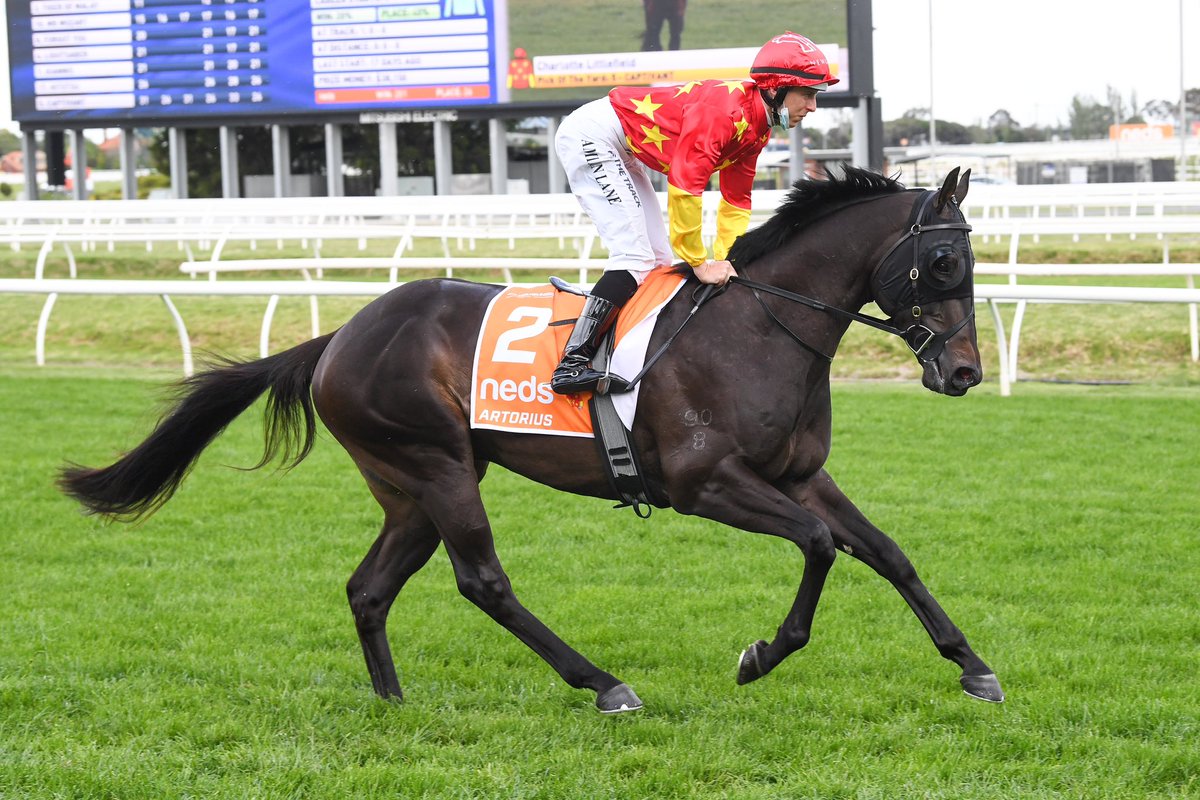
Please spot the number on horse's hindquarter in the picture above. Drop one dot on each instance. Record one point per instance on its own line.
(734, 421)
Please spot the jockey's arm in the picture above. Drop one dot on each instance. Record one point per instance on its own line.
(701, 141)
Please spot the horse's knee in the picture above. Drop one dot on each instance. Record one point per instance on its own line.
(369, 608)
(816, 542)
(486, 588)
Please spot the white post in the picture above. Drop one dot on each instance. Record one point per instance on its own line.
(128, 164)
(177, 144)
(498, 149)
(558, 178)
(78, 163)
(860, 135)
(230, 181)
(1183, 131)
(335, 184)
(389, 160)
(443, 164)
(29, 163)
(796, 154)
(932, 118)
(281, 157)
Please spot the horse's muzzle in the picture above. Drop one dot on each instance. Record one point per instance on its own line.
(951, 380)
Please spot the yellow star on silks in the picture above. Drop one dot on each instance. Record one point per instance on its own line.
(731, 85)
(687, 88)
(629, 143)
(740, 126)
(665, 167)
(654, 136)
(646, 107)
(724, 164)
(764, 137)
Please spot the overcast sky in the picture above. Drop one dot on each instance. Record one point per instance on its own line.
(1027, 56)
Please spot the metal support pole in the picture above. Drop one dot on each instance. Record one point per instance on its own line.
(129, 188)
(498, 149)
(29, 153)
(229, 162)
(335, 182)
(443, 164)
(860, 40)
(281, 157)
(796, 158)
(389, 160)
(177, 144)
(860, 136)
(932, 118)
(1183, 174)
(78, 163)
(558, 178)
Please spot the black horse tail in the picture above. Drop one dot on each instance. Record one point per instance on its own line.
(146, 477)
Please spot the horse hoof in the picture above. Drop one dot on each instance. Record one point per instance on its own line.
(749, 664)
(618, 700)
(983, 687)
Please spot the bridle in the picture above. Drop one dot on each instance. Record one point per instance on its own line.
(891, 291)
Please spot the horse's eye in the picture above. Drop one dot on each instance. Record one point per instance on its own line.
(944, 265)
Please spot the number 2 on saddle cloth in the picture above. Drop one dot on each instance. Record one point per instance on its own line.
(521, 341)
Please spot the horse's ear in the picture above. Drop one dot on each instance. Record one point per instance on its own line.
(947, 191)
(960, 193)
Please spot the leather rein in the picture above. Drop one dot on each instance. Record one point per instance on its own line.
(925, 343)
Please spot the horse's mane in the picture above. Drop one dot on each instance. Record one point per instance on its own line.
(807, 201)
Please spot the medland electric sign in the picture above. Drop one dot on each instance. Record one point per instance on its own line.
(140, 61)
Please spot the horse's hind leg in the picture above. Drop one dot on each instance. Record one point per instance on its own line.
(855, 534)
(405, 544)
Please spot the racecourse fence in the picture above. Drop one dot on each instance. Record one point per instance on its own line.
(202, 229)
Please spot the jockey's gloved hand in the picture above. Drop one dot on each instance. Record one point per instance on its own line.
(717, 273)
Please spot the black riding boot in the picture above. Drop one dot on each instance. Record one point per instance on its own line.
(574, 373)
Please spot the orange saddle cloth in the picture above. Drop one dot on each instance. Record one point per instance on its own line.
(520, 344)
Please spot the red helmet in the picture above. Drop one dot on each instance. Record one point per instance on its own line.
(791, 60)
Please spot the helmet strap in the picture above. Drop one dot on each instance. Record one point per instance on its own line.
(774, 102)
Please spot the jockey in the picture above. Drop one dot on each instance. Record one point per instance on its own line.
(688, 132)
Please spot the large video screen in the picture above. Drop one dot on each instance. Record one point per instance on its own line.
(582, 48)
(119, 62)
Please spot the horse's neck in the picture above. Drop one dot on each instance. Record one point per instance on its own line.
(832, 262)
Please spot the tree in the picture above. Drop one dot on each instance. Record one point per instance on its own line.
(1167, 111)
(1001, 127)
(9, 141)
(1088, 119)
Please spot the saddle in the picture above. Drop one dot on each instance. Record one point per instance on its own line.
(617, 452)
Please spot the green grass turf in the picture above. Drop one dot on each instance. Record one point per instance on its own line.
(209, 651)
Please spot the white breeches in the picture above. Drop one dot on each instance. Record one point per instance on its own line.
(614, 189)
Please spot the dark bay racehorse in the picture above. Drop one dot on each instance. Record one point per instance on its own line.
(393, 386)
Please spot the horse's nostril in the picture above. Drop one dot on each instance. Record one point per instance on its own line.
(966, 377)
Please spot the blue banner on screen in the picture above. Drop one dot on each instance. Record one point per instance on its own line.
(127, 60)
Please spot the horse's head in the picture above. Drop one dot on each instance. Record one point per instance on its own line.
(925, 284)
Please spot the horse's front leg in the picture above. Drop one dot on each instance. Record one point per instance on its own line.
(854, 533)
(734, 495)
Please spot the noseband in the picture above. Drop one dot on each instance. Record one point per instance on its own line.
(891, 292)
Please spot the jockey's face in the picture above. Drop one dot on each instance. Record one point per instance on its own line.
(799, 101)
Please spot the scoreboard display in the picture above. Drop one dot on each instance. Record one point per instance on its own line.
(133, 61)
